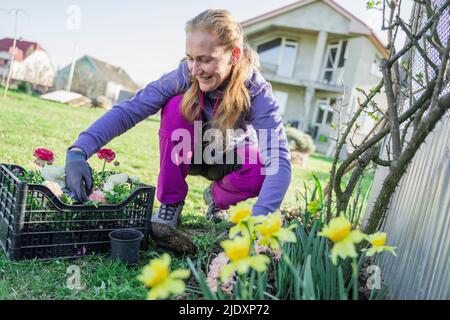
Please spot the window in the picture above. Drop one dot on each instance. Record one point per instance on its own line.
(342, 56)
(330, 62)
(278, 56)
(324, 116)
(270, 51)
(334, 60)
(282, 98)
(287, 60)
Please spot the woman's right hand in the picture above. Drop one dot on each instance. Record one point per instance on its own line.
(78, 174)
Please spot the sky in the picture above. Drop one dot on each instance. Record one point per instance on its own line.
(146, 38)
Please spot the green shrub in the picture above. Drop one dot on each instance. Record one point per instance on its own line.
(24, 87)
(300, 141)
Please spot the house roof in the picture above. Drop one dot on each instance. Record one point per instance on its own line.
(357, 26)
(115, 74)
(24, 48)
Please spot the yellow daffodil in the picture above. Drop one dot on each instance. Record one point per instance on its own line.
(339, 231)
(378, 241)
(241, 216)
(240, 212)
(238, 251)
(163, 283)
(272, 232)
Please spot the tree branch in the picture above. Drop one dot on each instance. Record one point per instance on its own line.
(422, 31)
(438, 108)
(381, 162)
(416, 44)
(343, 198)
(392, 110)
(395, 174)
(418, 116)
(380, 135)
(340, 145)
(434, 34)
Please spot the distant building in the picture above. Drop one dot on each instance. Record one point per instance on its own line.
(32, 64)
(94, 78)
(308, 50)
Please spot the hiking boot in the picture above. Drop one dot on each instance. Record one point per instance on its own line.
(207, 194)
(169, 214)
(164, 229)
(213, 213)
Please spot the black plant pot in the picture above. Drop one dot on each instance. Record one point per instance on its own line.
(125, 244)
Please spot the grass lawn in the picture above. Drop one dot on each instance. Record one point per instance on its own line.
(27, 123)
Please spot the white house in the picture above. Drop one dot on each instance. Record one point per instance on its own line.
(312, 52)
(31, 64)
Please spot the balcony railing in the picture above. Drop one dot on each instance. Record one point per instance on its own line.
(270, 73)
(270, 68)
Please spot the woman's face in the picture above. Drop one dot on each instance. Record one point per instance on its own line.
(207, 61)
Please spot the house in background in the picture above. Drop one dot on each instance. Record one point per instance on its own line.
(94, 78)
(309, 51)
(32, 64)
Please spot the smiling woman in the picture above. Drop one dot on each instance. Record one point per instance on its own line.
(206, 61)
(219, 86)
(218, 56)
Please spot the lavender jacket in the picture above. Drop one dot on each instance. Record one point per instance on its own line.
(263, 116)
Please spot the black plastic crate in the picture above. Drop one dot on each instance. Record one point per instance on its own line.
(34, 223)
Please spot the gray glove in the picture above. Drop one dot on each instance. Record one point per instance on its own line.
(78, 175)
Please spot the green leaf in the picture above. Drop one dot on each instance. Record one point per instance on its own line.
(296, 274)
(419, 77)
(319, 189)
(308, 282)
(342, 294)
(372, 4)
(202, 282)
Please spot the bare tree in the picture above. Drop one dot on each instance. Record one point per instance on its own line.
(415, 104)
(38, 74)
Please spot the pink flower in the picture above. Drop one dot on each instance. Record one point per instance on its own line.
(97, 195)
(214, 273)
(259, 249)
(277, 254)
(44, 156)
(106, 154)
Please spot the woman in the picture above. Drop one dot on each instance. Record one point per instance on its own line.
(218, 86)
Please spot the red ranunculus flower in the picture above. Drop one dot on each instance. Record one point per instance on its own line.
(106, 154)
(44, 155)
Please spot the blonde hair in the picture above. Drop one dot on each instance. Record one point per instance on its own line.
(236, 98)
